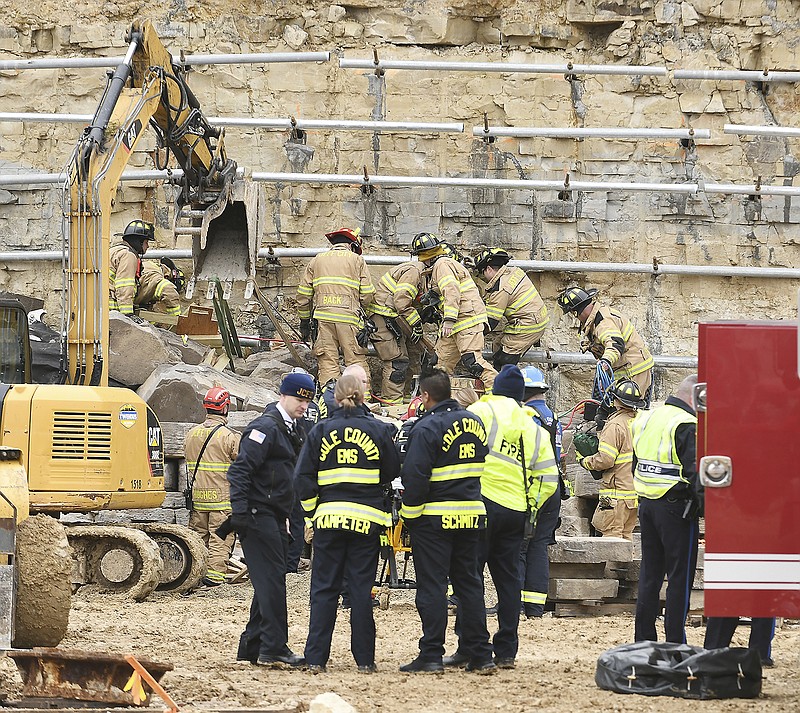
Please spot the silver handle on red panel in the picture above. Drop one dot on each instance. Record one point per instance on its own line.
(716, 471)
(699, 396)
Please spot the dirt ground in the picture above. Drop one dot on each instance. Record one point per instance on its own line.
(555, 670)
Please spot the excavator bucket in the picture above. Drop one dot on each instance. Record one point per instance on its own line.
(226, 237)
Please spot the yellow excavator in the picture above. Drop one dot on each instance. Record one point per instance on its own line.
(83, 446)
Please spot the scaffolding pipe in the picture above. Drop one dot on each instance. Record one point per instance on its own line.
(383, 181)
(744, 130)
(550, 357)
(37, 179)
(266, 123)
(744, 75)
(595, 132)
(194, 59)
(782, 273)
(505, 67)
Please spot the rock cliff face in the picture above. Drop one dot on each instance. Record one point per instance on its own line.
(603, 226)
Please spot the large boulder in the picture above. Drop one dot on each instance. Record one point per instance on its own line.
(175, 391)
(135, 350)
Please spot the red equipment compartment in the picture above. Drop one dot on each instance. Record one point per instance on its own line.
(752, 555)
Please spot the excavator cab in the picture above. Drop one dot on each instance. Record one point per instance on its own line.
(15, 347)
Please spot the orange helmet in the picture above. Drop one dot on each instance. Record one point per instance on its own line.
(217, 400)
(347, 235)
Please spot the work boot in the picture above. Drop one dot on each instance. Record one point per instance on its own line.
(419, 665)
(285, 659)
(368, 668)
(482, 667)
(316, 668)
(457, 660)
(506, 662)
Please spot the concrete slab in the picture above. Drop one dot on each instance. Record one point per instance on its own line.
(591, 549)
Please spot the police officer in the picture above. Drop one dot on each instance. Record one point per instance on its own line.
(720, 631)
(262, 494)
(670, 502)
(616, 512)
(126, 265)
(341, 475)
(295, 562)
(510, 297)
(162, 286)
(463, 311)
(519, 475)
(210, 448)
(534, 559)
(335, 290)
(444, 514)
(398, 324)
(614, 341)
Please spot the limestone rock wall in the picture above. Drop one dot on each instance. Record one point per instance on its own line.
(612, 226)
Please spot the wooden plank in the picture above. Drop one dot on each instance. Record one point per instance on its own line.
(159, 317)
(575, 609)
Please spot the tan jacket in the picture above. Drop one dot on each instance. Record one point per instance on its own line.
(397, 290)
(611, 336)
(210, 490)
(461, 301)
(337, 283)
(155, 288)
(511, 295)
(615, 458)
(123, 279)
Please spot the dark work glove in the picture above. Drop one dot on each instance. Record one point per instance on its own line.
(416, 333)
(241, 524)
(136, 318)
(305, 329)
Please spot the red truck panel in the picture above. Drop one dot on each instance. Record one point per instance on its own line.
(752, 560)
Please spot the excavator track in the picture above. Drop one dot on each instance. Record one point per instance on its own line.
(184, 555)
(118, 559)
(44, 569)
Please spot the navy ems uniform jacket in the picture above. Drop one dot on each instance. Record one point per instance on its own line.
(441, 472)
(343, 469)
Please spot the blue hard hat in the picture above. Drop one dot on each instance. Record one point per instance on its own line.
(534, 379)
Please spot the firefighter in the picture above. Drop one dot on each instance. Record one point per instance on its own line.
(519, 475)
(126, 265)
(398, 324)
(161, 286)
(614, 341)
(670, 502)
(262, 493)
(335, 290)
(210, 448)
(534, 559)
(345, 465)
(510, 297)
(615, 515)
(444, 514)
(463, 311)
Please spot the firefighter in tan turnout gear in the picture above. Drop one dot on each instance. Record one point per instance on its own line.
(611, 337)
(512, 299)
(463, 311)
(397, 324)
(210, 448)
(616, 513)
(126, 265)
(161, 286)
(335, 291)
